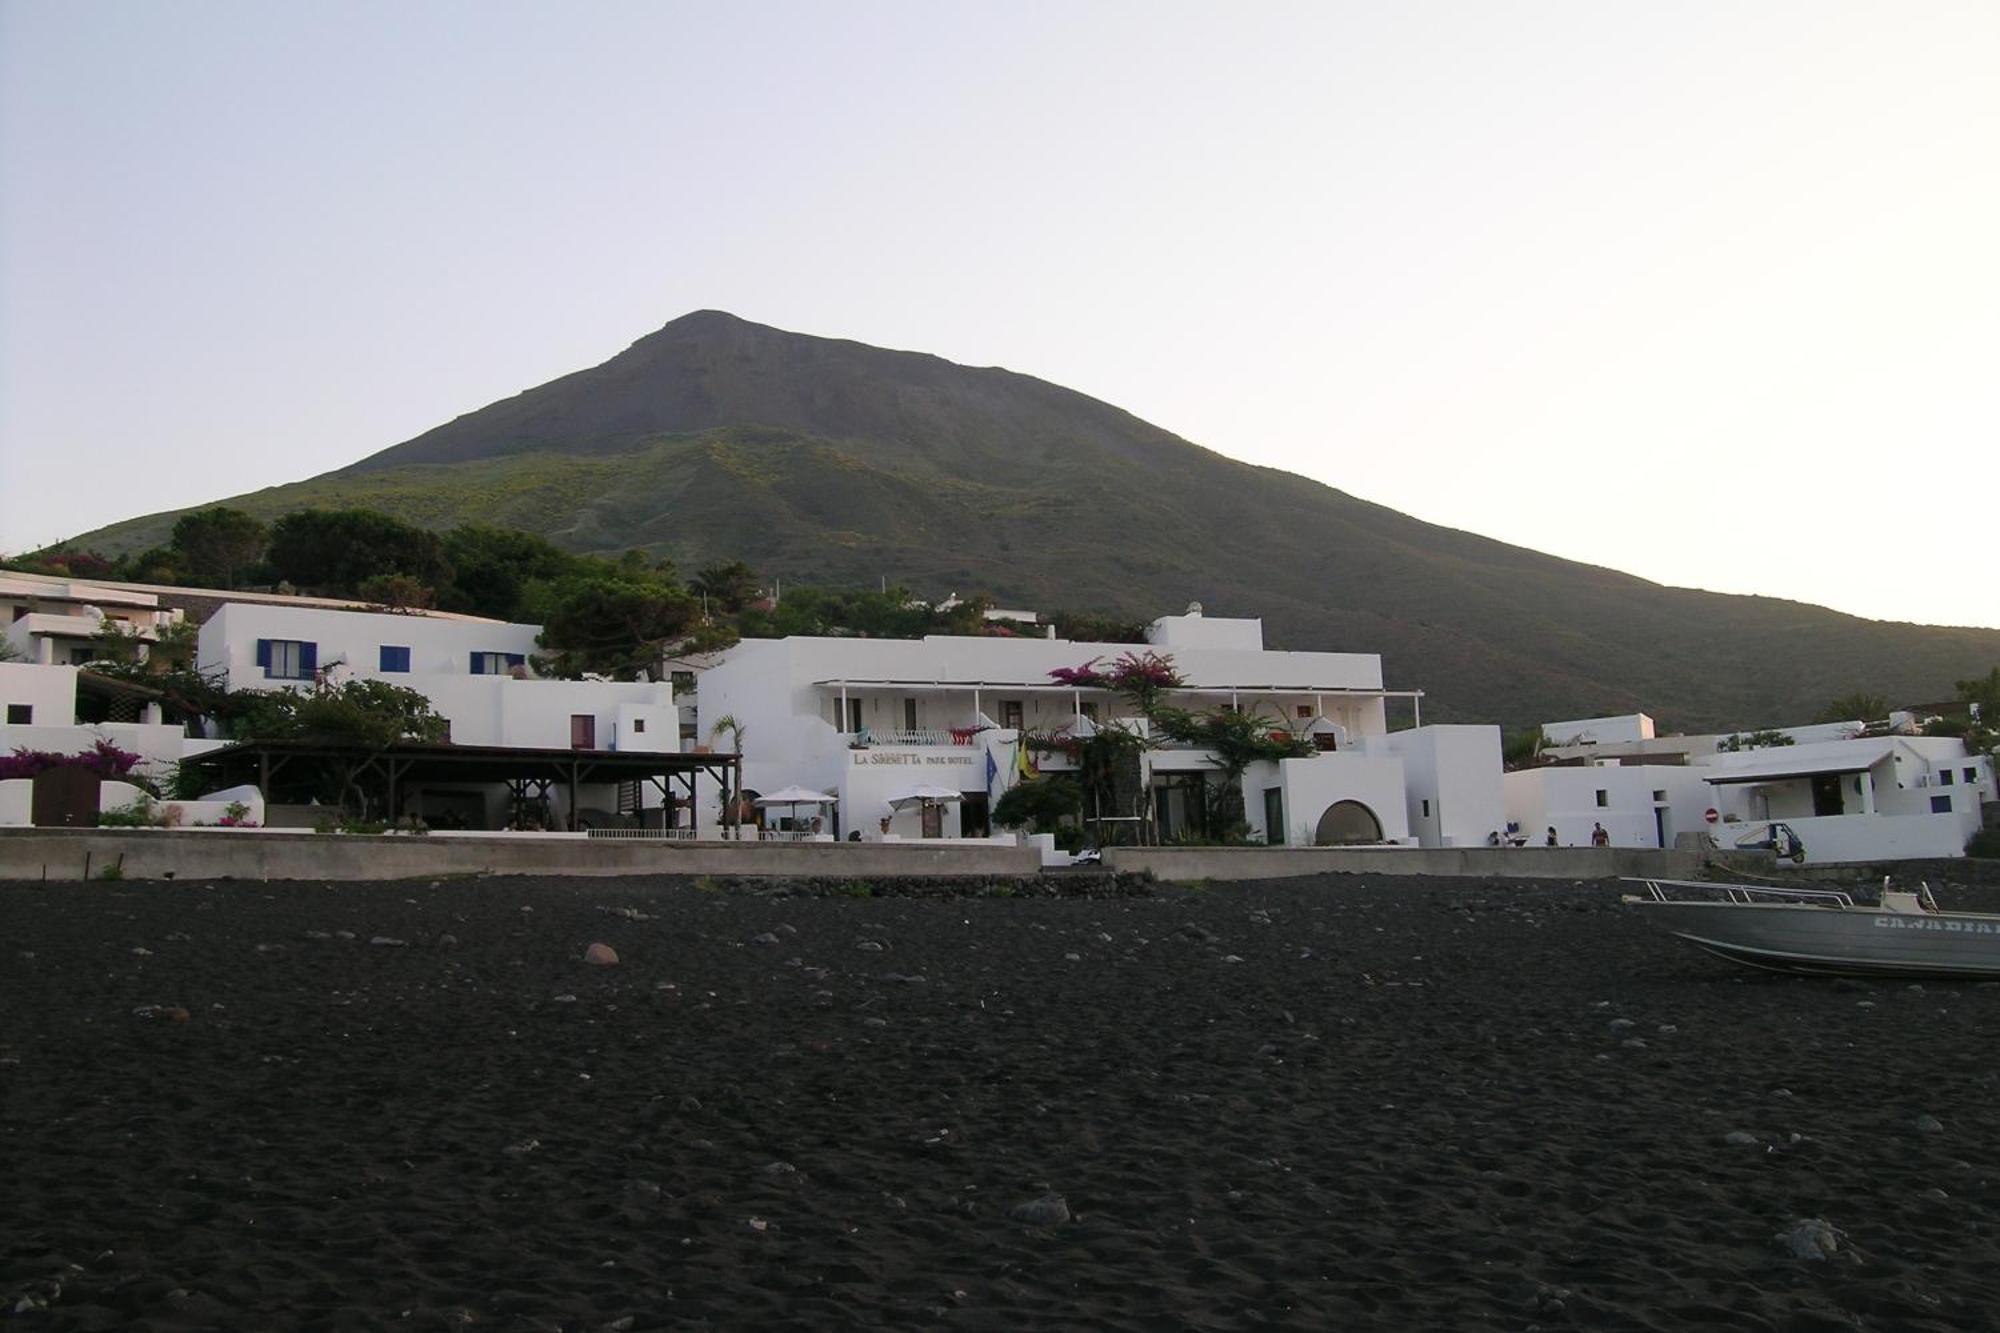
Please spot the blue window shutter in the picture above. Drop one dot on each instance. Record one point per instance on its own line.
(395, 658)
(517, 659)
(308, 659)
(264, 653)
(478, 669)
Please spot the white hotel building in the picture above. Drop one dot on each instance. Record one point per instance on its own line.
(869, 720)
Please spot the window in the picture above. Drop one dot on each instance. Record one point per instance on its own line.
(1302, 712)
(1603, 798)
(638, 726)
(20, 613)
(287, 659)
(909, 715)
(1010, 714)
(854, 716)
(1427, 809)
(1089, 709)
(1940, 805)
(582, 731)
(20, 715)
(1944, 777)
(81, 656)
(395, 658)
(496, 664)
(1972, 775)
(1660, 797)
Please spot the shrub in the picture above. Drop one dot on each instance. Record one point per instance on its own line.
(1984, 843)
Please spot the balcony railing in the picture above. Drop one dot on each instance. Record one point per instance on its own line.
(922, 736)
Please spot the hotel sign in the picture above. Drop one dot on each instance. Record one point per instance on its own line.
(927, 758)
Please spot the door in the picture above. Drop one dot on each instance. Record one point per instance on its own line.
(933, 820)
(64, 797)
(582, 731)
(974, 821)
(1826, 795)
(1274, 816)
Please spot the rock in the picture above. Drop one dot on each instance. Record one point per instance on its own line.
(1741, 1138)
(1812, 1238)
(871, 946)
(1925, 1124)
(781, 1169)
(140, 951)
(1621, 1024)
(1051, 1210)
(344, 935)
(447, 941)
(1232, 958)
(767, 938)
(389, 942)
(874, 1022)
(1191, 931)
(601, 955)
(1072, 958)
(523, 1148)
(1936, 1195)
(1667, 1029)
(1635, 1043)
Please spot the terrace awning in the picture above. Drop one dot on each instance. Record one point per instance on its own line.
(1780, 768)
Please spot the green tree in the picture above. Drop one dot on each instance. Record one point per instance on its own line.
(396, 592)
(492, 568)
(216, 545)
(337, 550)
(1857, 707)
(608, 623)
(1039, 805)
(729, 588)
(1983, 693)
(365, 716)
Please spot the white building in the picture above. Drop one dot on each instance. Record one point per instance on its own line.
(477, 676)
(868, 719)
(1847, 797)
(55, 622)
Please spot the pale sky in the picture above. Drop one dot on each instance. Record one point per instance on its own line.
(1705, 292)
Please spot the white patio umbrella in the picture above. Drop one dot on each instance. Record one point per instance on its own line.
(923, 792)
(796, 797)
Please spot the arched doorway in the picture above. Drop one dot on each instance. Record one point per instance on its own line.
(1347, 822)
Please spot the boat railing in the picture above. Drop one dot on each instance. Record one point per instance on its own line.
(1656, 889)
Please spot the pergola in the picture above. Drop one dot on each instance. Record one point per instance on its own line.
(399, 766)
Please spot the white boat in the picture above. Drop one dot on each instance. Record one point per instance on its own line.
(1823, 931)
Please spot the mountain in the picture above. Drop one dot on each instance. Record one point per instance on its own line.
(830, 461)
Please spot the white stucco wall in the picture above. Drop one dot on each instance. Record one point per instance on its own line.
(1311, 786)
(1453, 796)
(1567, 798)
(50, 691)
(1200, 631)
(1599, 730)
(353, 640)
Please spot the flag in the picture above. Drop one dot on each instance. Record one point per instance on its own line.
(992, 772)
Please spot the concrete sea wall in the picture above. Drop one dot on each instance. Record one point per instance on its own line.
(36, 854)
(1231, 863)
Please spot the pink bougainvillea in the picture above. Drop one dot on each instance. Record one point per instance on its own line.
(104, 759)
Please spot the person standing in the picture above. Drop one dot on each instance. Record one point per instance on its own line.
(1550, 841)
(1598, 837)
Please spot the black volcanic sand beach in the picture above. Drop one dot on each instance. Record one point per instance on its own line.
(1324, 1103)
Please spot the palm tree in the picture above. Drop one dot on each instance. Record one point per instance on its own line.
(727, 723)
